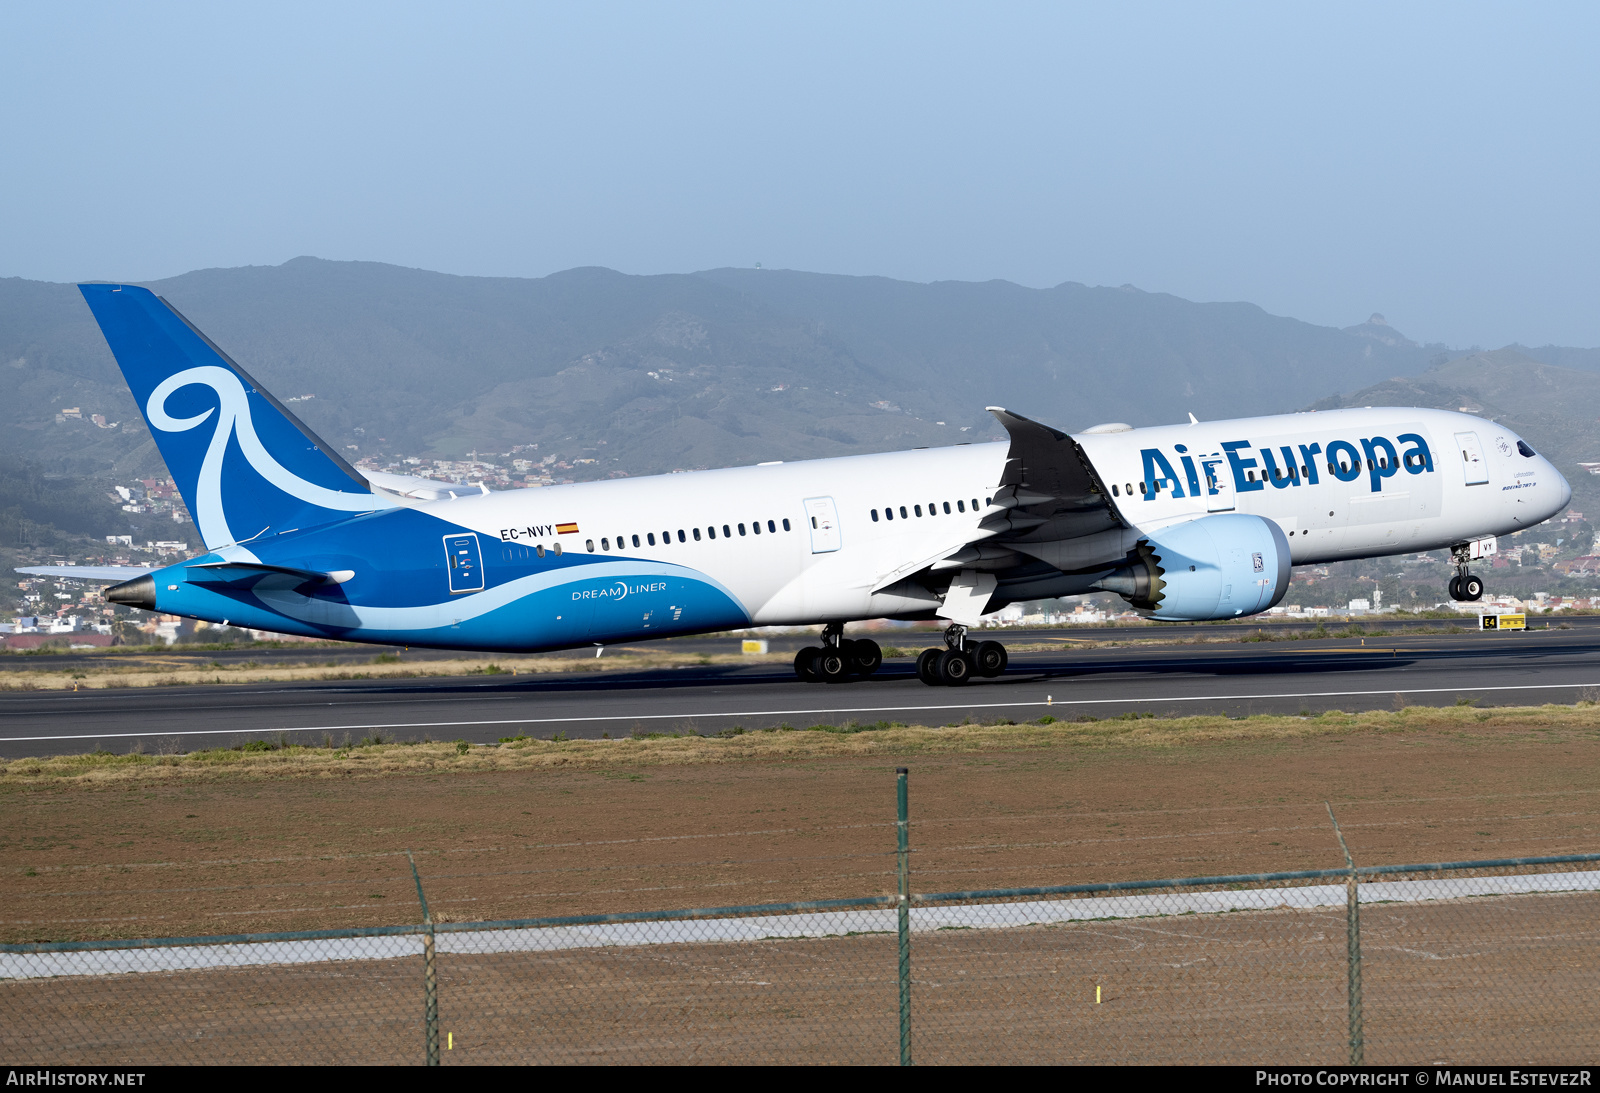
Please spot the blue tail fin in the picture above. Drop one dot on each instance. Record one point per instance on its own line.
(245, 465)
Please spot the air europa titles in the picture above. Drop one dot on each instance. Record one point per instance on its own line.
(1284, 466)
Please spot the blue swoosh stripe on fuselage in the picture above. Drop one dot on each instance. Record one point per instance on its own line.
(560, 608)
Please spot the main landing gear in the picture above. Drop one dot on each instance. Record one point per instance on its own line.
(1464, 585)
(838, 659)
(958, 662)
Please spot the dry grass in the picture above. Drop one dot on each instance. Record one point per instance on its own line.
(375, 758)
(155, 673)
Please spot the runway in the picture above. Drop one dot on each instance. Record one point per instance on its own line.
(1284, 677)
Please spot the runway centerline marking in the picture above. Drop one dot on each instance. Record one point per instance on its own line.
(1049, 702)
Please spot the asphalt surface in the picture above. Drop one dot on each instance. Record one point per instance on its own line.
(1559, 665)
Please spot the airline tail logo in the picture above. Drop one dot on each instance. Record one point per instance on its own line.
(233, 422)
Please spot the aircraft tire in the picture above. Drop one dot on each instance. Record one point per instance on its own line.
(830, 666)
(1472, 587)
(928, 667)
(865, 656)
(1455, 589)
(803, 661)
(990, 659)
(955, 670)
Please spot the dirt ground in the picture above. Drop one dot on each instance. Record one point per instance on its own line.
(1500, 980)
(233, 855)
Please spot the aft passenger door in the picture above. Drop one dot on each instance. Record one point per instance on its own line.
(824, 519)
(1472, 463)
(464, 562)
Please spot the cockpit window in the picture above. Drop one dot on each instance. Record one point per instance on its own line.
(1522, 446)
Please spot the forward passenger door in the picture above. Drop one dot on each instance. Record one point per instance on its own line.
(1477, 471)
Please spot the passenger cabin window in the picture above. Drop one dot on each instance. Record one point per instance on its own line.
(680, 535)
(697, 535)
(785, 523)
(917, 508)
(947, 508)
(961, 506)
(756, 527)
(605, 544)
(711, 531)
(726, 534)
(651, 538)
(590, 544)
(741, 529)
(903, 515)
(774, 527)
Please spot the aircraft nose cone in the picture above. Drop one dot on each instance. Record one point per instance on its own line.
(139, 592)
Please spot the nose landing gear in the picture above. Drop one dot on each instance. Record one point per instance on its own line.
(1464, 586)
(838, 659)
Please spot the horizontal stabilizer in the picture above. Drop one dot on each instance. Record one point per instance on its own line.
(86, 572)
(233, 571)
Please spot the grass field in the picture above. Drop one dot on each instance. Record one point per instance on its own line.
(276, 838)
(269, 838)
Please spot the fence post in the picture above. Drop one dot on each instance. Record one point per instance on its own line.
(903, 825)
(1352, 946)
(430, 982)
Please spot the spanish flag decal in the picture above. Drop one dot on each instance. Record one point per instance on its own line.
(566, 529)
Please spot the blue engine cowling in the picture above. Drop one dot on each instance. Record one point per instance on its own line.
(1216, 567)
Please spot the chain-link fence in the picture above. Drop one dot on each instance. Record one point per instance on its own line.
(1461, 962)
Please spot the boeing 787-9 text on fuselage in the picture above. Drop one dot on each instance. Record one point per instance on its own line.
(1186, 522)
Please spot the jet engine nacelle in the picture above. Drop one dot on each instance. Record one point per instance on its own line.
(1216, 567)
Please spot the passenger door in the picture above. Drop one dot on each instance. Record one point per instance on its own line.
(824, 519)
(1472, 463)
(1216, 478)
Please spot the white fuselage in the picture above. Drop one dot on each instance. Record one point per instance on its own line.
(1475, 483)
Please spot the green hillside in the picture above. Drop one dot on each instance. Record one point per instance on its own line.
(648, 374)
(638, 375)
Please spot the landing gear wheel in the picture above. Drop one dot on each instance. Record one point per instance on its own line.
(829, 666)
(990, 659)
(954, 668)
(1471, 587)
(864, 655)
(1455, 589)
(928, 667)
(803, 661)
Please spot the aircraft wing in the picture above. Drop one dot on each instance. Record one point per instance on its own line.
(422, 489)
(1048, 493)
(1048, 489)
(86, 572)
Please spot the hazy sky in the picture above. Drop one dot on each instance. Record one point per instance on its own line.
(1436, 163)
